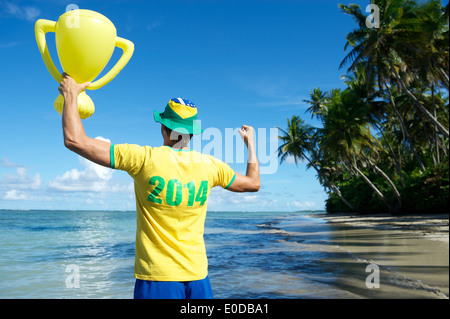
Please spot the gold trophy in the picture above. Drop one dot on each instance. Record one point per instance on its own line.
(85, 42)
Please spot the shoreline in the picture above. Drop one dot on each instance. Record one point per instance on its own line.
(431, 226)
(411, 252)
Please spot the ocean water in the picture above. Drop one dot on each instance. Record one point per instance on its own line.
(90, 254)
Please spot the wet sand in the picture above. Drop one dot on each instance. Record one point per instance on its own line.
(411, 253)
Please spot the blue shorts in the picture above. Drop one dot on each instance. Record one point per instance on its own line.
(198, 289)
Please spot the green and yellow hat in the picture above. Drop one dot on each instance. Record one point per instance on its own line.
(180, 115)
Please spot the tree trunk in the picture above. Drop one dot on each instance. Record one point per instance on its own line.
(386, 177)
(416, 102)
(375, 189)
(429, 142)
(335, 189)
(390, 182)
(405, 130)
(444, 77)
(436, 141)
(391, 151)
(443, 145)
(338, 192)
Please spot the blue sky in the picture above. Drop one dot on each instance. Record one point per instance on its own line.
(240, 62)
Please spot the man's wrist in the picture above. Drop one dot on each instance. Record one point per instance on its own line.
(70, 97)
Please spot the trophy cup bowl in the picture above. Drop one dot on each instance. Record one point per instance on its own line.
(85, 41)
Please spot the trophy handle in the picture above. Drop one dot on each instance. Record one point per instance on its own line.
(41, 27)
(128, 49)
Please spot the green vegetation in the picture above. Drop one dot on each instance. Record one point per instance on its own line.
(383, 143)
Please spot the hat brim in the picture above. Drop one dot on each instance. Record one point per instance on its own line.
(183, 127)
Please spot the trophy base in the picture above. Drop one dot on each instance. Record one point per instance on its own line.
(85, 105)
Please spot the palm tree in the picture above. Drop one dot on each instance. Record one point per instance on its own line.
(407, 136)
(298, 141)
(346, 134)
(363, 84)
(392, 119)
(317, 103)
(433, 57)
(364, 79)
(394, 44)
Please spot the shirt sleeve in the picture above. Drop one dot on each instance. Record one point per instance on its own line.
(223, 174)
(128, 157)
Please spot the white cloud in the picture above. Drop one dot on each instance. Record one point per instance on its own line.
(19, 185)
(251, 198)
(291, 160)
(6, 163)
(301, 205)
(94, 182)
(221, 199)
(93, 178)
(14, 195)
(21, 180)
(23, 13)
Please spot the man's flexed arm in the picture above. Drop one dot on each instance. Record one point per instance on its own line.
(250, 182)
(75, 138)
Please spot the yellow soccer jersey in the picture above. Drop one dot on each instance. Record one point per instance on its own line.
(172, 189)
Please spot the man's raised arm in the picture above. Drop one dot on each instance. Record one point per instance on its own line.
(250, 182)
(75, 139)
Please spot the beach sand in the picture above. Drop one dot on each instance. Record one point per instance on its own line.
(411, 253)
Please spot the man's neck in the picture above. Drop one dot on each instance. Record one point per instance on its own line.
(176, 147)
